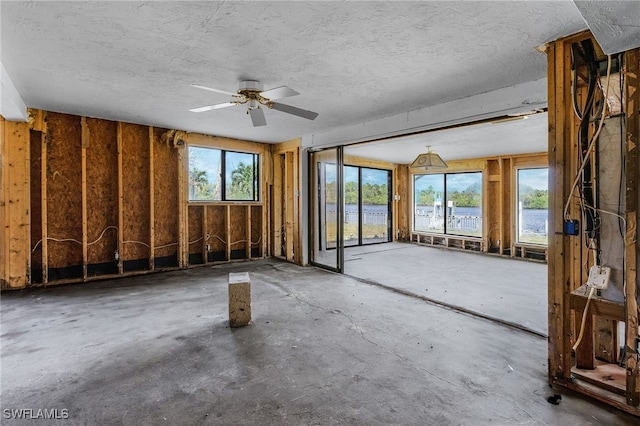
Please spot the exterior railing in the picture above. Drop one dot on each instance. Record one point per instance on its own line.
(459, 223)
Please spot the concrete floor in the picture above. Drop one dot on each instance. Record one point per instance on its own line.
(510, 290)
(323, 349)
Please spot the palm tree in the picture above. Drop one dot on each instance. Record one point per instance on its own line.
(242, 183)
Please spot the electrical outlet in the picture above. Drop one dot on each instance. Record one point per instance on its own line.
(599, 277)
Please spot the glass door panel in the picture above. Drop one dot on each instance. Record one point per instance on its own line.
(326, 209)
(351, 206)
(376, 217)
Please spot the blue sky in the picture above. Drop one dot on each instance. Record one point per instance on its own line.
(535, 178)
(205, 159)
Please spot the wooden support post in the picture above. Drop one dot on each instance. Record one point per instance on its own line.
(266, 224)
(120, 200)
(289, 201)
(205, 232)
(228, 231)
(559, 156)
(278, 203)
(247, 243)
(43, 190)
(152, 226)
(85, 144)
(501, 215)
(585, 352)
(15, 199)
(297, 238)
(632, 96)
(183, 210)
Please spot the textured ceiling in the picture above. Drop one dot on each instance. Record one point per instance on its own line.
(508, 137)
(615, 24)
(352, 62)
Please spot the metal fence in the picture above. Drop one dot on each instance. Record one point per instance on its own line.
(425, 222)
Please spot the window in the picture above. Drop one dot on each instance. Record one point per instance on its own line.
(533, 203)
(448, 203)
(207, 166)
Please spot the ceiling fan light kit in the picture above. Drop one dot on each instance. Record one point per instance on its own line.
(250, 92)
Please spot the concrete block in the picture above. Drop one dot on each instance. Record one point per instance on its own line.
(239, 299)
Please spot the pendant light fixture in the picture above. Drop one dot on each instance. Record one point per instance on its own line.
(429, 160)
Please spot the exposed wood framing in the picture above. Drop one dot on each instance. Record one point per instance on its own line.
(569, 254)
(15, 253)
(632, 96)
(183, 206)
(402, 203)
(120, 201)
(43, 190)
(290, 201)
(228, 232)
(112, 163)
(152, 204)
(278, 207)
(286, 201)
(247, 232)
(559, 271)
(85, 145)
(205, 234)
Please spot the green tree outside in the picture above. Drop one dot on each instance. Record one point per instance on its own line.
(202, 188)
(242, 183)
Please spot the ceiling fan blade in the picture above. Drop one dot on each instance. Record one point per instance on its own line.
(279, 93)
(210, 107)
(224, 92)
(309, 115)
(257, 117)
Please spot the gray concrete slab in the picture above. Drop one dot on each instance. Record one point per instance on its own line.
(323, 349)
(508, 289)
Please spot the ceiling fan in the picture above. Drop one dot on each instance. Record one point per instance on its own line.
(251, 93)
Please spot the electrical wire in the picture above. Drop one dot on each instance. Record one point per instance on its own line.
(73, 240)
(594, 138)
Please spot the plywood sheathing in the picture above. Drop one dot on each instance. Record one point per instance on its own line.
(237, 229)
(165, 172)
(135, 187)
(256, 230)
(36, 202)
(64, 190)
(216, 229)
(195, 229)
(102, 190)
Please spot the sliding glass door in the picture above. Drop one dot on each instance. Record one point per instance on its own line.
(327, 208)
(375, 205)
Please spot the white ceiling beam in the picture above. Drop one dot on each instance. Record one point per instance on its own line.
(12, 107)
(509, 100)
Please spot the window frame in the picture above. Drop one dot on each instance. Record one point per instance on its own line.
(445, 230)
(256, 166)
(516, 219)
